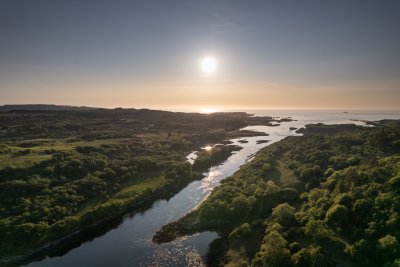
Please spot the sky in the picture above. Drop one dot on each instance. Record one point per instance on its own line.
(283, 54)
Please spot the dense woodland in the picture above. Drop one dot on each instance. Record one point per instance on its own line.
(66, 170)
(328, 198)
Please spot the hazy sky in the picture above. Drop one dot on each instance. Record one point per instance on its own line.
(271, 54)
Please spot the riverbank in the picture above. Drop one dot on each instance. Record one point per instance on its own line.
(140, 189)
(126, 203)
(298, 201)
(128, 243)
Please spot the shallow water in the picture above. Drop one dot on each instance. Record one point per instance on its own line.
(129, 244)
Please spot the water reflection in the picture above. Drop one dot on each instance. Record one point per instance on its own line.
(210, 181)
(130, 244)
(208, 148)
(192, 157)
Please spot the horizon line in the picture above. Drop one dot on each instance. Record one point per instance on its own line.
(216, 108)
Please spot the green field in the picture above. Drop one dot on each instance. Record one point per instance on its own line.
(19, 156)
(151, 180)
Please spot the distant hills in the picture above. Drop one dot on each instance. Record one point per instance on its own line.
(43, 107)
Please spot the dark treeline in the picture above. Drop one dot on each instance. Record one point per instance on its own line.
(115, 123)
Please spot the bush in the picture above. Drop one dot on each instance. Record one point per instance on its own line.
(284, 214)
(337, 215)
(243, 230)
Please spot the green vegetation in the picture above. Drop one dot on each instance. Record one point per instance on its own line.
(213, 156)
(63, 171)
(328, 198)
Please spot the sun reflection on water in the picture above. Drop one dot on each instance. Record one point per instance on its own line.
(208, 148)
(208, 183)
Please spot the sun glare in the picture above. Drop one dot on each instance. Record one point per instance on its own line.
(209, 65)
(209, 110)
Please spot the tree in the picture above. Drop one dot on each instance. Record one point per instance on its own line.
(302, 258)
(317, 230)
(337, 215)
(389, 249)
(240, 231)
(240, 207)
(283, 213)
(273, 253)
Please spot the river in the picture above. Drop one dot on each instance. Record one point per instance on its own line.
(129, 243)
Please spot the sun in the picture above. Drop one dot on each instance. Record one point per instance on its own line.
(209, 65)
(209, 110)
